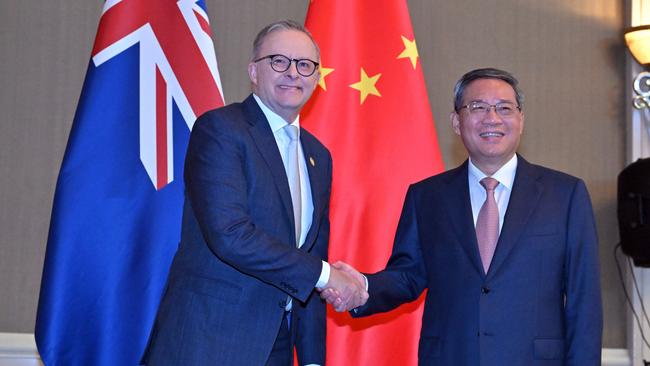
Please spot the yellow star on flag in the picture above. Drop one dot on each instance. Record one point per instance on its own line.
(366, 85)
(324, 71)
(410, 51)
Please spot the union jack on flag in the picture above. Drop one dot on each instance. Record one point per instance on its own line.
(177, 61)
(116, 216)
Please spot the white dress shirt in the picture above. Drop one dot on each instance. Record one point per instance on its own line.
(277, 124)
(506, 177)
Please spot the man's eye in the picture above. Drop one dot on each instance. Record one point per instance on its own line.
(478, 107)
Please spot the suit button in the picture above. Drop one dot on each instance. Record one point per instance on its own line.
(485, 290)
(282, 304)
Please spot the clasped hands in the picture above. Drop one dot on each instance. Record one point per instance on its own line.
(346, 288)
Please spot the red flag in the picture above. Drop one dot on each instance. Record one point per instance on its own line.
(372, 111)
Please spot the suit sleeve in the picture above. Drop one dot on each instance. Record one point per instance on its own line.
(404, 277)
(216, 186)
(310, 342)
(583, 309)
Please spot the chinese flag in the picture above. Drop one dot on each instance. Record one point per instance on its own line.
(372, 111)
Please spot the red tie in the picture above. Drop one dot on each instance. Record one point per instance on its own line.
(487, 224)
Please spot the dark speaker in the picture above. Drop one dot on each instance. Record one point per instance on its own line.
(634, 211)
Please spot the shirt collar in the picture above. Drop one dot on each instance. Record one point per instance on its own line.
(505, 175)
(275, 121)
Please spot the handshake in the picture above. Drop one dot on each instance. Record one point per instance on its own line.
(346, 288)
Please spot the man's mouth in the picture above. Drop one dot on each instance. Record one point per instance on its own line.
(289, 87)
(492, 134)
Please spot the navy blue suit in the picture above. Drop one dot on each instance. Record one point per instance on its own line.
(237, 260)
(539, 303)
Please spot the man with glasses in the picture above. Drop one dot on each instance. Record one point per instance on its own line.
(253, 251)
(507, 249)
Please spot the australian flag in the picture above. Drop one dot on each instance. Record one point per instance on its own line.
(117, 208)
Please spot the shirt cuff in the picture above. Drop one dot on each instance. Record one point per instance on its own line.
(324, 275)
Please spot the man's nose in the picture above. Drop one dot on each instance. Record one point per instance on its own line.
(491, 115)
(292, 71)
(492, 109)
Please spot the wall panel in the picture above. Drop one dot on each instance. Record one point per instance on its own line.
(568, 55)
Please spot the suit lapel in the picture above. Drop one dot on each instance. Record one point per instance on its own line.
(315, 165)
(461, 217)
(525, 196)
(268, 148)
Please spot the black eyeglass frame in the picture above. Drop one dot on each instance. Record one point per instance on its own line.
(291, 60)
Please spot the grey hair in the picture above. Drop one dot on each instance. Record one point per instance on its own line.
(281, 25)
(486, 73)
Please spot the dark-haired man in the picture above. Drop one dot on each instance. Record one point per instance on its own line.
(507, 249)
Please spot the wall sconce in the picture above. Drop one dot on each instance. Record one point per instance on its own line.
(638, 42)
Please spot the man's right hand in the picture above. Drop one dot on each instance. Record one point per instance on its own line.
(346, 288)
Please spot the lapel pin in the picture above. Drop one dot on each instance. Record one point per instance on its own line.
(312, 162)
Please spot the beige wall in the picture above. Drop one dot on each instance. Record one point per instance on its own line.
(568, 55)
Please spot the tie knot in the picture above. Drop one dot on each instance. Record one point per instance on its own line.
(291, 131)
(489, 183)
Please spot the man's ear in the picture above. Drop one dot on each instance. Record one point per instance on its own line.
(252, 72)
(455, 122)
(317, 77)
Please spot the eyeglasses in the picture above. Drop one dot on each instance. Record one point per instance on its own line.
(282, 63)
(503, 109)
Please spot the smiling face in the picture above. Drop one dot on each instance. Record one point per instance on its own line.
(284, 93)
(490, 139)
